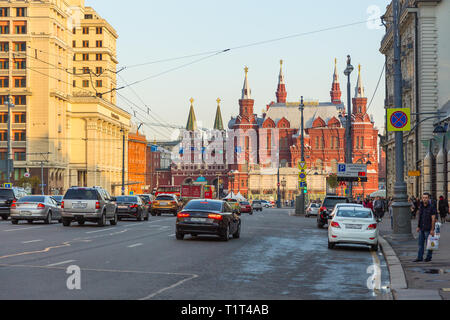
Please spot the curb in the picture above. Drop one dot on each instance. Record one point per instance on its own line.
(396, 273)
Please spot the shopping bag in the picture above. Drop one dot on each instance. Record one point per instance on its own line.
(433, 243)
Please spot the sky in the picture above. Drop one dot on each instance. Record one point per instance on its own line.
(152, 31)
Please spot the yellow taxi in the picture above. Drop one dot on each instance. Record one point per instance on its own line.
(165, 203)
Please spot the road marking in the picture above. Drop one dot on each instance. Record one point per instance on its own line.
(65, 244)
(377, 271)
(135, 245)
(31, 241)
(18, 229)
(60, 263)
(169, 287)
(100, 230)
(171, 235)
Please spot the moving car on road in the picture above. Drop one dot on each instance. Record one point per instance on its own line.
(312, 210)
(58, 199)
(340, 205)
(206, 216)
(33, 208)
(165, 203)
(234, 204)
(327, 207)
(257, 205)
(147, 199)
(88, 204)
(131, 207)
(8, 196)
(246, 207)
(266, 204)
(352, 225)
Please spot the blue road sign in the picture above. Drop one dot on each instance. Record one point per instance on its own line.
(302, 184)
(7, 185)
(341, 168)
(399, 119)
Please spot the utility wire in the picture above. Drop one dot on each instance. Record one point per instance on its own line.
(376, 88)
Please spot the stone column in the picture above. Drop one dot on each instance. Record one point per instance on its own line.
(427, 168)
(91, 152)
(441, 172)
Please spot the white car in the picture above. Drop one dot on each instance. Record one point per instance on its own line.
(340, 205)
(353, 225)
(312, 210)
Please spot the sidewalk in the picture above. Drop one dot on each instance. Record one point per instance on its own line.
(424, 280)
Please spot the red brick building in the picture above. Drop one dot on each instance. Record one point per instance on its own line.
(137, 148)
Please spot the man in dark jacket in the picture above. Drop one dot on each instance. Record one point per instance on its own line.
(425, 227)
(443, 208)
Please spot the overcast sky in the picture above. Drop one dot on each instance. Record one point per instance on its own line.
(156, 30)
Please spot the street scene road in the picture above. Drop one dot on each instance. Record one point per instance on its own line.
(278, 256)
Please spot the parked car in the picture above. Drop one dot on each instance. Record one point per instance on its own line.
(246, 207)
(34, 208)
(131, 207)
(312, 210)
(266, 204)
(147, 199)
(165, 203)
(257, 205)
(340, 205)
(58, 199)
(88, 204)
(234, 204)
(327, 207)
(207, 216)
(8, 196)
(353, 225)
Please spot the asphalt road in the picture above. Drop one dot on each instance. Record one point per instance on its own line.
(277, 257)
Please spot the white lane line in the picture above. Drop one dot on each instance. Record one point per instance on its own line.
(100, 230)
(376, 272)
(135, 245)
(60, 263)
(31, 241)
(171, 235)
(193, 276)
(18, 229)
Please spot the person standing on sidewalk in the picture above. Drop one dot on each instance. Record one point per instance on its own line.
(378, 208)
(425, 227)
(443, 208)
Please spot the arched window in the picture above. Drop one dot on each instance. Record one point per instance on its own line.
(334, 165)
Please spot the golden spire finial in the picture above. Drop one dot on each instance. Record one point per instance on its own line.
(246, 70)
(359, 68)
(218, 101)
(192, 101)
(281, 62)
(335, 61)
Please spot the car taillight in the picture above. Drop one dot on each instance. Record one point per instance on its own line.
(173, 202)
(215, 216)
(335, 224)
(322, 209)
(13, 204)
(41, 206)
(97, 205)
(133, 206)
(372, 226)
(183, 215)
(62, 205)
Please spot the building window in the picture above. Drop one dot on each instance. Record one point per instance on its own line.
(3, 156)
(99, 83)
(20, 118)
(85, 83)
(99, 70)
(20, 100)
(74, 31)
(99, 57)
(85, 30)
(99, 43)
(4, 27)
(3, 136)
(4, 82)
(74, 84)
(88, 16)
(3, 117)
(74, 44)
(86, 70)
(20, 64)
(19, 136)
(20, 46)
(19, 173)
(4, 46)
(85, 57)
(20, 82)
(362, 142)
(4, 12)
(4, 64)
(21, 12)
(99, 30)
(20, 27)
(19, 156)
(85, 44)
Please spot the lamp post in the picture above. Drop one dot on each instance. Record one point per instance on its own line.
(9, 160)
(300, 209)
(348, 127)
(283, 184)
(400, 206)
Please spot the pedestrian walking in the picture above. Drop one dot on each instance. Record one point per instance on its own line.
(443, 208)
(378, 208)
(425, 226)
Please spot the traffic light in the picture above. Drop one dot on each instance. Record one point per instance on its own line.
(305, 190)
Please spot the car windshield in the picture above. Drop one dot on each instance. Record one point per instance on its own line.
(204, 206)
(315, 205)
(165, 198)
(329, 203)
(126, 199)
(354, 213)
(32, 199)
(146, 198)
(245, 203)
(6, 193)
(57, 198)
(257, 202)
(81, 194)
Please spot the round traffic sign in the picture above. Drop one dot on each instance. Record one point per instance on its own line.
(399, 119)
(26, 175)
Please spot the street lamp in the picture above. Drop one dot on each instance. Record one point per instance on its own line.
(283, 184)
(348, 127)
(9, 161)
(300, 208)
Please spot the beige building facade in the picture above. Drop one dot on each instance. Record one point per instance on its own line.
(57, 64)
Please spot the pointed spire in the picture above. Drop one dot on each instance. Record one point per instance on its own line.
(218, 123)
(281, 90)
(246, 92)
(359, 90)
(335, 92)
(192, 121)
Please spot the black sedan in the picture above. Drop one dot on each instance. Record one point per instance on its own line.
(208, 217)
(131, 207)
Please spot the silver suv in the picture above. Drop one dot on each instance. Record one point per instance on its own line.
(88, 204)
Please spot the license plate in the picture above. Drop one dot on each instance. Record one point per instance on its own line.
(79, 205)
(353, 226)
(198, 220)
(25, 213)
(163, 203)
(123, 207)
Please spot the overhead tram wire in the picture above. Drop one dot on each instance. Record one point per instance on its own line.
(376, 88)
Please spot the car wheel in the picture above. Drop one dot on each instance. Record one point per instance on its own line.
(139, 217)
(226, 234)
(330, 245)
(81, 222)
(60, 221)
(48, 220)
(147, 216)
(306, 215)
(15, 221)
(102, 220)
(251, 212)
(179, 236)
(113, 222)
(374, 247)
(237, 234)
(66, 222)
